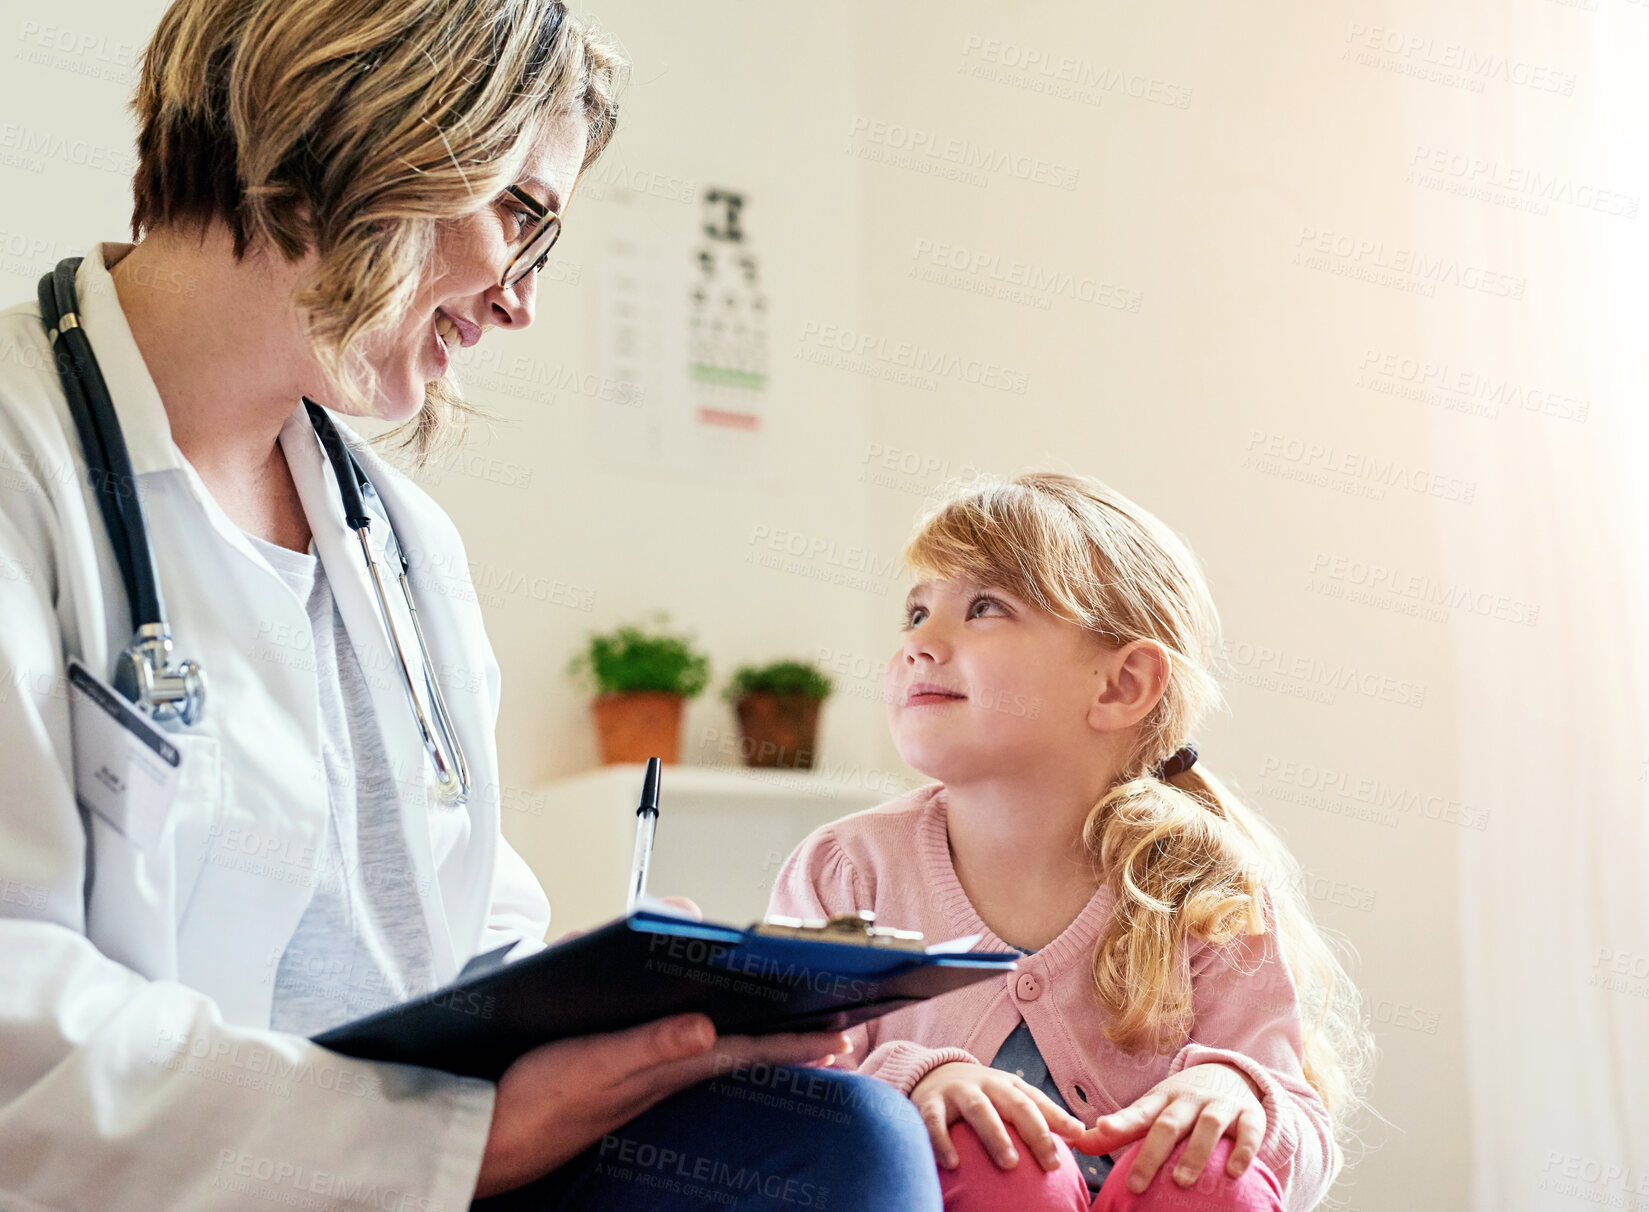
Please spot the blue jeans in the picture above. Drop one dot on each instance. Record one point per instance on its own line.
(758, 1138)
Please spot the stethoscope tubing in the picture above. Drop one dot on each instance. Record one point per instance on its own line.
(109, 464)
(454, 774)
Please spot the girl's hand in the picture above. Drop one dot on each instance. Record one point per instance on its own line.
(1208, 1101)
(982, 1096)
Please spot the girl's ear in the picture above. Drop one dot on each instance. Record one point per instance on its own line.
(1133, 678)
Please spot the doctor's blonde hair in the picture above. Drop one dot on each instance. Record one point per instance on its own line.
(352, 128)
(1184, 858)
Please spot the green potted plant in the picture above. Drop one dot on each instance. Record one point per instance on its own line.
(642, 676)
(778, 709)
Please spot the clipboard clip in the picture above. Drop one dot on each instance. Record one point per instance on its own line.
(858, 928)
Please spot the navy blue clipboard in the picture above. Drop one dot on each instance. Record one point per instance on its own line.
(647, 966)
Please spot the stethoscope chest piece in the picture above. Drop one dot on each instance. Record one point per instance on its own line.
(144, 674)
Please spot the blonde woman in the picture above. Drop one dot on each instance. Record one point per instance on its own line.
(331, 195)
(1180, 1034)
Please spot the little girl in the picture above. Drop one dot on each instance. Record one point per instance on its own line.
(1176, 1006)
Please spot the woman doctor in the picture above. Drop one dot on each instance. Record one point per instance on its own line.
(330, 197)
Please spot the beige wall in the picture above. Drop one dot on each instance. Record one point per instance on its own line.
(1193, 211)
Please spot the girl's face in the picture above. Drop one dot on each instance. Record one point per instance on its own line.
(461, 298)
(986, 685)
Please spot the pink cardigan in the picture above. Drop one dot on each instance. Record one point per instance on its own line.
(895, 859)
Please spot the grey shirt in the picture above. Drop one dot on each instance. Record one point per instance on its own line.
(362, 944)
(1020, 1055)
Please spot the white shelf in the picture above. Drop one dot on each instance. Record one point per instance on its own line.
(723, 834)
(711, 780)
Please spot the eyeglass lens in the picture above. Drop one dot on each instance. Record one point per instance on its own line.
(537, 250)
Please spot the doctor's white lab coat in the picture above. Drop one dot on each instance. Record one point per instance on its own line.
(137, 1070)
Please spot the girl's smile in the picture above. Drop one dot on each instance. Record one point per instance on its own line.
(930, 694)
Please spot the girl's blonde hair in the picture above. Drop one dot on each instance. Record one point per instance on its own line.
(1184, 858)
(352, 128)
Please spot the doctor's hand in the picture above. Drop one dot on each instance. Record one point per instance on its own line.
(558, 1099)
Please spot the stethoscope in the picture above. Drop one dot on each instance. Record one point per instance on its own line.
(144, 671)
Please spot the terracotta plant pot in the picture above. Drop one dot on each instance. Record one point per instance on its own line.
(635, 725)
(778, 730)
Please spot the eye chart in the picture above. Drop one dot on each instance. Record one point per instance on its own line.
(683, 323)
(727, 321)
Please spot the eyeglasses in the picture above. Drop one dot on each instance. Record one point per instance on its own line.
(540, 238)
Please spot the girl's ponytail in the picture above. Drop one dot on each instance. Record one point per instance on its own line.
(1187, 860)
(1176, 872)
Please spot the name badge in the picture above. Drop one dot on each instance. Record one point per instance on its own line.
(125, 770)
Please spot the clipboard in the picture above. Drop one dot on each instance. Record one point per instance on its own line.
(777, 976)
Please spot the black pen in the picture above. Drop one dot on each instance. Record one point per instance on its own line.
(646, 824)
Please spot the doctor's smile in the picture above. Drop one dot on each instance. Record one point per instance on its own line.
(450, 330)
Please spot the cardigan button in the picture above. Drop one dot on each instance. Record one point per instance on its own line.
(1028, 986)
